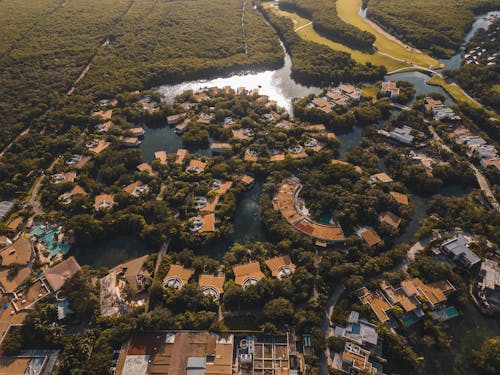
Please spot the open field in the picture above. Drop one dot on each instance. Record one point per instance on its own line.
(348, 10)
(458, 94)
(309, 34)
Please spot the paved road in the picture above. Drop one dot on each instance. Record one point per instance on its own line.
(481, 179)
(325, 358)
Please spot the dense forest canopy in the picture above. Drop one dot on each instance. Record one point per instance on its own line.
(129, 45)
(435, 26)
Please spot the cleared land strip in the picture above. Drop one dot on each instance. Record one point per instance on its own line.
(348, 10)
(306, 31)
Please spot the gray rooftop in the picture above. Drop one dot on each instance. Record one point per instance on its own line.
(5, 207)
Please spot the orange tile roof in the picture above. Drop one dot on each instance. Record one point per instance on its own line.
(284, 201)
(382, 177)
(145, 167)
(105, 115)
(78, 190)
(208, 223)
(277, 157)
(69, 176)
(224, 187)
(10, 284)
(179, 272)
(57, 275)
(275, 264)
(320, 128)
(389, 218)
(101, 146)
(15, 223)
(239, 134)
(212, 203)
(84, 160)
(216, 282)
(378, 304)
(198, 164)
(432, 292)
(250, 157)
(247, 271)
(247, 180)
(220, 146)
(100, 199)
(181, 154)
(400, 198)
(19, 252)
(371, 237)
(131, 187)
(161, 156)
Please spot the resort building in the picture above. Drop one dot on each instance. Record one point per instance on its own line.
(176, 353)
(130, 141)
(201, 97)
(104, 115)
(248, 181)
(173, 119)
(103, 202)
(137, 132)
(64, 177)
(489, 283)
(353, 359)
(180, 156)
(161, 156)
(400, 198)
(203, 223)
(281, 266)
(406, 297)
(382, 178)
(56, 276)
(369, 235)
(103, 127)
(19, 252)
(457, 249)
(247, 274)
(358, 331)
(221, 187)
(32, 362)
(136, 189)
(390, 219)
(99, 146)
(132, 274)
(183, 126)
(217, 147)
(146, 168)
(267, 355)
(177, 276)
(402, 135)
(212, 286)
(390, 88)
(292, 209)
(493, 162)
(196, 166)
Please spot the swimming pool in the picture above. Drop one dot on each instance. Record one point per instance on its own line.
(47, 236)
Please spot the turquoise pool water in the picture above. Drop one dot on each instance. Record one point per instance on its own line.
(47, 236)
(325, 218)
(451, 312)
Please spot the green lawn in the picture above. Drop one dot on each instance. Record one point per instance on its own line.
(348, 10)
(458, 94)
(308, 33)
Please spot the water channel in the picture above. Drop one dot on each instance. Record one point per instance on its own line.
(468, 331)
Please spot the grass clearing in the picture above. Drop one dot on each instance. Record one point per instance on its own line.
(348, 10)
(309, 34)
(458, 94)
